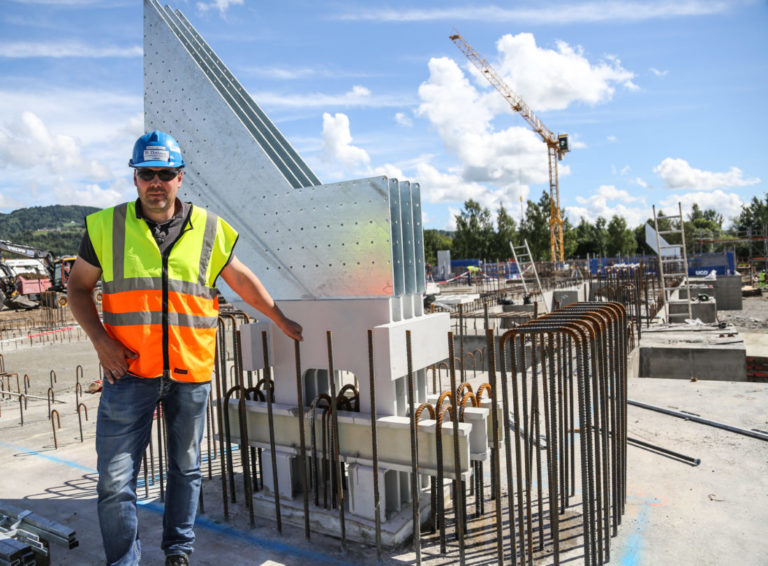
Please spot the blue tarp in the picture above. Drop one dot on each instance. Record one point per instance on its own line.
(699, 265)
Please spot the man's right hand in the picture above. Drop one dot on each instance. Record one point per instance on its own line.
(113, 357)
(112, 354)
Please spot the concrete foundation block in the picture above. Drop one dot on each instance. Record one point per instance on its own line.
(361, 499)
(704, 353)
(704, 311)
(564, 297)
(287, 478)
(728, 292)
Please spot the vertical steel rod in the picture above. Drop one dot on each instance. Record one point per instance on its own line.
(459, 499)
(415, 488)
(495, 468)
(335, 443)
(374, 447)
(302, 440)
(270, 387)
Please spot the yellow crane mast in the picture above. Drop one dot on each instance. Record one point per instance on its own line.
(557, 145)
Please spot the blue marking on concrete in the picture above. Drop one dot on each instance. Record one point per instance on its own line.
(630, 554)
(49, 457)
(203, 522)
(267, 544)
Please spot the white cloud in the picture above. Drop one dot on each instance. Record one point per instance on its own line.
(445, 187)
(641, 182)
(611, 138)
(93, 194)
(59, 2)
(462, 117)
(575, 143)
(47, 155)
(298, 72)
(358, 96)
(678, 174)
(26, 50)
(134, 127)
(658, 72)
(26, 143)
(221, 5)
(452, 214)
(558, 14)
(550, 79)
(403, 119)
(337, 144)
(391, 171)
(9, 203)
(90, 113)
(607, 201)
(497, 166)
(727, 204)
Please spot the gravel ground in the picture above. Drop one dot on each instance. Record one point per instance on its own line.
(752, 316)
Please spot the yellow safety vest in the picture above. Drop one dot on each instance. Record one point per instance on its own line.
(163, 307)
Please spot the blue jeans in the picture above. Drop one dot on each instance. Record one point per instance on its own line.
(123, 431)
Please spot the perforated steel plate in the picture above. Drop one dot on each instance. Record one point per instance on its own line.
(350, 239)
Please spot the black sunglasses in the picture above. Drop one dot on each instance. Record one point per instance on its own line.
(163, 174)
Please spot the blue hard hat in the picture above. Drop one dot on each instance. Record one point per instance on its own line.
(156, 149)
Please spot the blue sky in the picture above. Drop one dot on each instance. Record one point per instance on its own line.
(664, 101)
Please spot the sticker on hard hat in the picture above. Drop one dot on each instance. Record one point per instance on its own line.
(156, 153)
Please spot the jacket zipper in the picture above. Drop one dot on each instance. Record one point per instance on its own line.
(166, 333)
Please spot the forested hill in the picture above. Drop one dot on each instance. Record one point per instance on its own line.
(56, 228)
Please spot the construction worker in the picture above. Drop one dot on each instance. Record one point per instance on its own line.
(159, 259)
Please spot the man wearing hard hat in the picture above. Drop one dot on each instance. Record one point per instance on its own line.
(159, 259)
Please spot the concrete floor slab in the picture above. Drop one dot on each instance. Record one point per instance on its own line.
(711, 514)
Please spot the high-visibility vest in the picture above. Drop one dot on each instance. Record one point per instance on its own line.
(163, 307)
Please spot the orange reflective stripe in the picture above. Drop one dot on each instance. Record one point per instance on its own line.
(190, 304)
(132, 301)
(137, 301)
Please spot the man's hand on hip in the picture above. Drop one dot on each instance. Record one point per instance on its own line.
(113, 357)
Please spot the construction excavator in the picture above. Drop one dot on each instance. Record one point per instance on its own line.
(37, 279)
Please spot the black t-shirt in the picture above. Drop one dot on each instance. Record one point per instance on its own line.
(165, 234)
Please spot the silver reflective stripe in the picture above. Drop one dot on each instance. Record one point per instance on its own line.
(156, 283)
(132, 318)
(146, 318)
(211, 222)
(118, 241)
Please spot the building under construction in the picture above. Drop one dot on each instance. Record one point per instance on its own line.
(555, 417)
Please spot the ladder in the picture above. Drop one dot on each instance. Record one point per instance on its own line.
(670, 268)
(523, 260)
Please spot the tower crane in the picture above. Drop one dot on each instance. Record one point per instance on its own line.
(557, 145)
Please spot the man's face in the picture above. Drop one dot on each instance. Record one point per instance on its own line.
(157, 197)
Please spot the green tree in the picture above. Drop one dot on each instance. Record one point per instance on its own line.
(506, 232)
(620, 239)
(535, 228)
(435, 241)
(569, 239)
(703, 225)
(600, 236)
(585, 241)
(751, 222)
(474, 232)
(57, 228)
